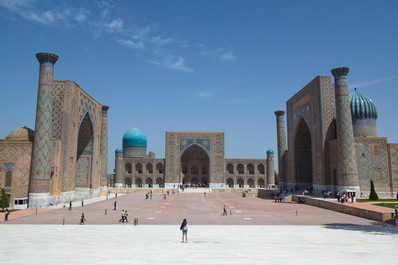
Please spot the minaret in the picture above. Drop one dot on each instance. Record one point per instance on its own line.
(270, 169)
(119, 168)
(347, 165)
(104, 146)
(39, 190)
(280, 130)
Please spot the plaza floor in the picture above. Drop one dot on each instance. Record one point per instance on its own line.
(255, 231)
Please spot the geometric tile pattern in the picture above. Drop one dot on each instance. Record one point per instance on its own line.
(204, 143)
(17, 157)
(83, 171)
(281, 139)
(347, 167)
(368, 163)
(43, 126)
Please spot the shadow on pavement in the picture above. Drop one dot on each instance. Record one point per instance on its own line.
(376, 228)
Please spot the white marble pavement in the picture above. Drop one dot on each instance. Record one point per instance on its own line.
(208, 244)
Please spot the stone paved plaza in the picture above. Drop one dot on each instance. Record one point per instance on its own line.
(258, 232)
(117, 244)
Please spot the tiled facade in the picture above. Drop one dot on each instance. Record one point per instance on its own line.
(70, 126)
(322, 143)
(194, 158)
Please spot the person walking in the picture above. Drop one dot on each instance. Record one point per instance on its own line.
(114, 205)
(121, 220)
(70, 205)
(184, 229)
(125, 216)
(6, 215)
(82, 202)
(225, 211)
(396, 210)
(82, 219)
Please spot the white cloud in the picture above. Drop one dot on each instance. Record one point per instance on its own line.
(204, 94)
(225, 55)
(373, 82)
(228, 56)
(132, 44)
(174, 63)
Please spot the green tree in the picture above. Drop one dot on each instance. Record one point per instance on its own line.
(3, 199)
(373, 195)
(276, 178)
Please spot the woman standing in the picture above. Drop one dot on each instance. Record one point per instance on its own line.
(184, 229)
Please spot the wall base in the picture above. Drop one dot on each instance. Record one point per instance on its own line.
(39, 200)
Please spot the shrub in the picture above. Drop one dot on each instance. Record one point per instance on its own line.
(373, 195)
(3, 199)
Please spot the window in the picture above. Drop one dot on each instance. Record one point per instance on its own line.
(230, 183)
(240, 169)
(204, 170)
(260, 169)
(250, 182)
(8, 178)
(261, 183)
(138, 168)
(250, 168)
(184, 170)
(159, 168)
(149, 168)
(230, 169)
(128, 168)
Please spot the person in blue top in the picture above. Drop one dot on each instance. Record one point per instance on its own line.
(184, 229)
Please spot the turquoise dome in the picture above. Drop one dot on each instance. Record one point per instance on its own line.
(119, 150)
(362, 107)
(270, 151)
(134, 137)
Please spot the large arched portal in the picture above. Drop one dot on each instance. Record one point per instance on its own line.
(303, 153)
(195, 157)
(84, 154)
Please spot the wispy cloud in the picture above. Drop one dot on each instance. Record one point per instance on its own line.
(223, 54)
(168, 50)
(368, 83)
(204, 95)
(173, 62)
(228, 56)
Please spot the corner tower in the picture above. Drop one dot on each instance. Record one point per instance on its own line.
(346, 159)
(39, 190)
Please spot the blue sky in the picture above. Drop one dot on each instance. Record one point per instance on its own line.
(197, 65)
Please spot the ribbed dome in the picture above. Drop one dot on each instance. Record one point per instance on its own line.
(21, 134)
(134, 137)
(270, 151)
(362, 107)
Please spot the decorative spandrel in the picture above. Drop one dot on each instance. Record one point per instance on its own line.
(185, 143)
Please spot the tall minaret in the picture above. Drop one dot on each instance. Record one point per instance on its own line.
(280, 130)
(39, 190)
(104, 146)
(119, 168)
(270, 169)
(347, 165)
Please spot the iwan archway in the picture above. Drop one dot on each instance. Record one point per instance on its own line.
(303, 154)
(84, 154)
(194, 166)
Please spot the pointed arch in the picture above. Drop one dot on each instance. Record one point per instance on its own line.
(303, 153)
(85, 146)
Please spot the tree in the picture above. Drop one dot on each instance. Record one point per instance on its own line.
(3, 199)
(373, 195)
(276, 178)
